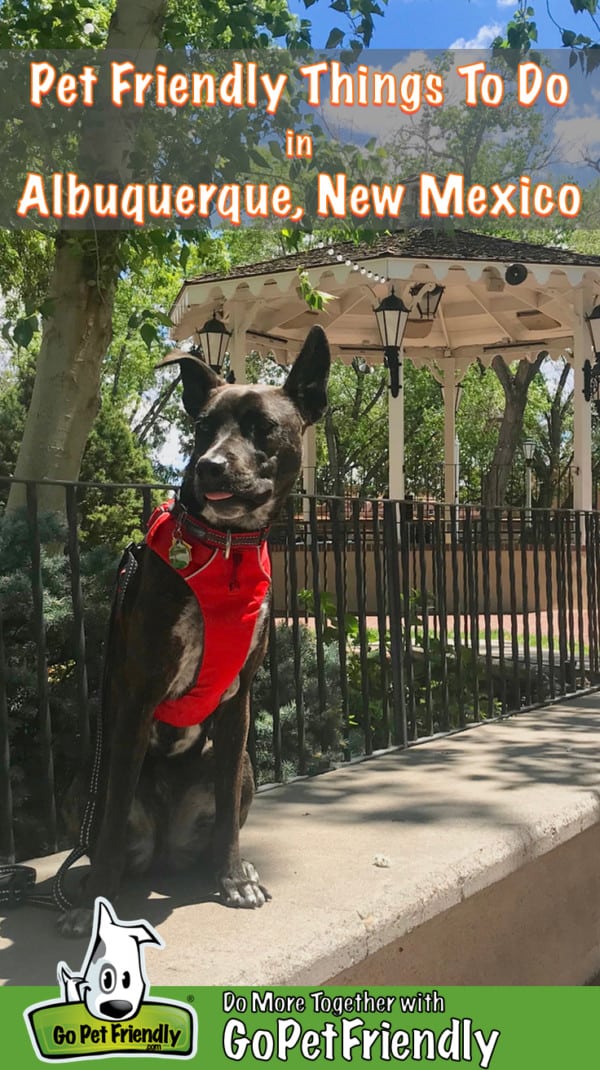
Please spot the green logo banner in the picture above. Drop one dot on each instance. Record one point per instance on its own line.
(501, 1028)
(65, 1031)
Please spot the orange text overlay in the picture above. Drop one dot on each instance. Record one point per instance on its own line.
(64, 195)
(244, 85)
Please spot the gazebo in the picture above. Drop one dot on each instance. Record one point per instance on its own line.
(515, 299)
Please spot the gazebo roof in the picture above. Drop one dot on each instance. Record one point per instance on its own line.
(480, 315)
(416, 243)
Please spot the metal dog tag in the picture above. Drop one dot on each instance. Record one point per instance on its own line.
(180, 554)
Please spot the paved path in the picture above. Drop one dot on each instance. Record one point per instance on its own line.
(449, 817)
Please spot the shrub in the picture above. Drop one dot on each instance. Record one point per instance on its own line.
(28, 776)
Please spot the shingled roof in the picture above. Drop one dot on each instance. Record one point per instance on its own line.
(415, 244)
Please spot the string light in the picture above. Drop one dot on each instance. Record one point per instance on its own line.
(357, 266)
(348, 262)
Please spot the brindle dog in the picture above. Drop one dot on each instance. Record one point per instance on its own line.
(163, 791)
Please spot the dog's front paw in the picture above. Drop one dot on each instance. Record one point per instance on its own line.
(76, 922)
(243, 889)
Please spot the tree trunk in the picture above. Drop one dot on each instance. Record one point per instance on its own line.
(515, 388)
(76, 337)
(333, 455)
(550, 474)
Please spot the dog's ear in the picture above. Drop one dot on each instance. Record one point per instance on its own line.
(69, 983)
(197, 378)
(306, 385)
(144, 934)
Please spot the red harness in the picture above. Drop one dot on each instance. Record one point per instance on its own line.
(230, 580)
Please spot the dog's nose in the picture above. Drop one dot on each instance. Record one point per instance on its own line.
(211, 469)
(116, 1008)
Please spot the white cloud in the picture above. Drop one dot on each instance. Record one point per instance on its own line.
(577, 137)
(381, 122)
(483, 38)
(508, 3)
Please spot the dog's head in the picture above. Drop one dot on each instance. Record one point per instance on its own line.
(113, 981)
(248, 444)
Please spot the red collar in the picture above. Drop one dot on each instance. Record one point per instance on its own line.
(198, 531)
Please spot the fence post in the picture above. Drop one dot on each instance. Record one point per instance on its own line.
(78, 620)
(390, 520)
(45, 724)
(7, 838)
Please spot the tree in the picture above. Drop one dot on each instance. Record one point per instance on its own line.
(486, 145)
(77, 332)
(352, 441)
(483, 144)
(78, 328)
(515, 385)
(552, 462)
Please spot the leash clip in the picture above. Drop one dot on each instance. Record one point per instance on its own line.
(227, 550)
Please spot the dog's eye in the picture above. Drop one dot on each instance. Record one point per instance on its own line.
(108, 978)
(126, 979)
(256, 425)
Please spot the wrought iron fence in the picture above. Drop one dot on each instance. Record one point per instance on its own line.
(428, 481)
(392, 622)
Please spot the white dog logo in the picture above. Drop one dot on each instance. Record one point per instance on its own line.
(112, 983)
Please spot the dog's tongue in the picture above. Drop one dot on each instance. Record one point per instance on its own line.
(218, 495)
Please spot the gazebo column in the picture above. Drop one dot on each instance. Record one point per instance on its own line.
(396, 438)
(451, 394)
(237, 343)
(582, 409)
(309, 460)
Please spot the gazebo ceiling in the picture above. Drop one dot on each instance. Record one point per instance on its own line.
(480, 313)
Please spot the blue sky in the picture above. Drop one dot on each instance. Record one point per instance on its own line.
(427, 24)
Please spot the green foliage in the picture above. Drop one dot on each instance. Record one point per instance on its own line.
(315, 300)
(112, 455)
(16, 386)
(432, 707)
(329, 616)
(486, 145)
(477, 423)
(352, 441)
(25, 265)
(424, 433)
(27, 757)
(112, 517)
(323, 730)
(216, 24)
(521, 32)
(50, 24)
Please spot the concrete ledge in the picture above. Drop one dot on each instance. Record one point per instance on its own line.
(453, 846)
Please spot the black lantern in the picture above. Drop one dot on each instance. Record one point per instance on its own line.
(429, 302)
(392, 315)
(529, 450)
(591, 372)
(213, 343)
